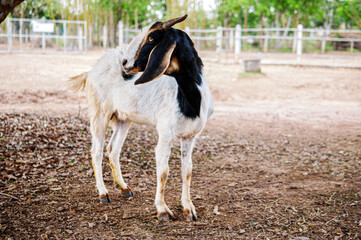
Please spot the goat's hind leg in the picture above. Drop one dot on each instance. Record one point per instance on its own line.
(98, 126)
(189, 210)
(120, 130)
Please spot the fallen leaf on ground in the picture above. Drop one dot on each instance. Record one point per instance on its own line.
(232, 184)
(215, 210)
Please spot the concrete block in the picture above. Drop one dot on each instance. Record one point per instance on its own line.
(252, 65)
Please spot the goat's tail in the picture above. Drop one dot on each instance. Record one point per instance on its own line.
(77, 83)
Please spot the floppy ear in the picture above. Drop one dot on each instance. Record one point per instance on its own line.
(158, 61)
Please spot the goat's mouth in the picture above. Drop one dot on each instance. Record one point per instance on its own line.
(131, 70)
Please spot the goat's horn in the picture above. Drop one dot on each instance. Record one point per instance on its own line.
(168, 24)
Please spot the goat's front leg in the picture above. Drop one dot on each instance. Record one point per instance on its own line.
(189, 210)
(98, 127)
(162, 153)
(120, 130)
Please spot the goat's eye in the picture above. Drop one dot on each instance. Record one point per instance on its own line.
(150, 39)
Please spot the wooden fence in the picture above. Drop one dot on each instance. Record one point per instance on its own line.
(42, 35)
(292, 40)
(15, 35)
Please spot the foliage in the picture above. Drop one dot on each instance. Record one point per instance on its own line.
(310, 13)
(228, 13)
(49, 9)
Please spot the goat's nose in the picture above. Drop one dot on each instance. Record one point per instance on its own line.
(125, 62)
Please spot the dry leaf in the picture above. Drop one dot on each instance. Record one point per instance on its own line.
(21, 161)
(232, 184)
(91, 225)
(215, 210)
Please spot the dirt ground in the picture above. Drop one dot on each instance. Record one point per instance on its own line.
(279, 159)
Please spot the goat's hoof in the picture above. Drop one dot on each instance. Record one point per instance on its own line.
(105, 198)
(163, 217)
(189, 216)
(127, 193)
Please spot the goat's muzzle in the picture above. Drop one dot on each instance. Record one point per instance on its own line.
(131, 70)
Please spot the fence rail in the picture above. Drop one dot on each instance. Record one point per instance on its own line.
(42, 35)
(20, 35)
(293, 40)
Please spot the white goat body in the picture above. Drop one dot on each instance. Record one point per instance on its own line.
(117, 102)
(142, 104)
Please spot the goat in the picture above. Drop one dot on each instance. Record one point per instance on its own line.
(178, 103)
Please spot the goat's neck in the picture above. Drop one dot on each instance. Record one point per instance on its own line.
(189, 96)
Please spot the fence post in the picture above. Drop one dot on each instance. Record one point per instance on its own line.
(187, 30)
(21, 35)
(323, 43)
(105, 40)
(299, 39)
(80, 38)
(231, 39)
(351, 46)
(85, 40)
(219, 39)
(126, 34)
(43, 43)
(57, 38)
(237, 40)
(9, 35)
(294, 44)
(26, 35)
(64, 35)
(90, 35)
(265, 44)
(120, 33)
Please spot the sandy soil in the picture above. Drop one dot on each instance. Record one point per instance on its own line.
(280, 158)
(315, 96)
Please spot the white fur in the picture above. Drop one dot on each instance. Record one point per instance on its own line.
(154, 103)
(135, 44)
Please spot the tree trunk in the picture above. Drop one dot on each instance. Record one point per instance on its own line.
(277, 22)
(261, 32)
(285, 32)
(119, 11)
(296, 20)
(7, 6)
(136, 18)
(111, 29)
(245, 19)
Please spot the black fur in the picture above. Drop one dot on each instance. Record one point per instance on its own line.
(127, 77)
(189, 75)
(147, 48)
